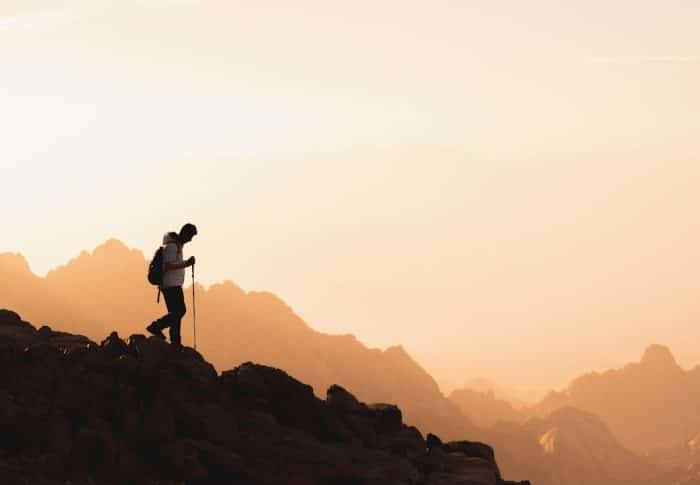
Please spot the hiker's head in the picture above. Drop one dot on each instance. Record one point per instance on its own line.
(187, 232)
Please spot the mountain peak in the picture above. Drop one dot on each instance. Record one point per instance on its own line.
(659, 356)
(14, 262)
(112, 245)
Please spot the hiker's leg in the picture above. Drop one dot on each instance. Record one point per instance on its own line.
(161, 323)
(177, 311)
(166, 320)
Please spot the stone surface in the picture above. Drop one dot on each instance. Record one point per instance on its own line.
(143, 412)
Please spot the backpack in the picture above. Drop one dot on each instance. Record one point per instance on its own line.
(156, 269)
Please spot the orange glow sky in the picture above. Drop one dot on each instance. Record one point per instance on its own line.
(509, 189)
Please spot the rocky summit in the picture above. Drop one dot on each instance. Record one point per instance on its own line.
(139, 411)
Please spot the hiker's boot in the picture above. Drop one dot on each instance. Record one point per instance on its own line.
(156, 331)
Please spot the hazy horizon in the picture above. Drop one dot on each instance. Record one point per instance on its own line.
(441, 364)
(507, 189)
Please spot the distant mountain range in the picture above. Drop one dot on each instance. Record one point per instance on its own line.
(518, 398)
(572, 447)
(649, 405)
(485, 408)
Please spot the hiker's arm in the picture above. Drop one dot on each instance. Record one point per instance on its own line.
(184, 264)
(170, 266)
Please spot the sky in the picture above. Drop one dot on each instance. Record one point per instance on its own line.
(506, 188)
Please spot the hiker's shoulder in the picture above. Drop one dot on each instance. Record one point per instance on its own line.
(169, 238)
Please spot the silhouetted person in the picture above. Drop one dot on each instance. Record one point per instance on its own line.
(173, 279)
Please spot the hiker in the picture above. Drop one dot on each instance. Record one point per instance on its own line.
(173, 279)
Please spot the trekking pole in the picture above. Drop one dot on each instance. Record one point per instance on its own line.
(194, 312)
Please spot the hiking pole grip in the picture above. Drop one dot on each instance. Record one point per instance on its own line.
(194, 312)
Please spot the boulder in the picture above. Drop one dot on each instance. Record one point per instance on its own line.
(221, 464)
(14, 328)
(10, 318)
(150, 351)
(433, 441)
(387, 417)
(341, 400)
(406, 442)
(471, 449)
(274, 391)
(113, 346)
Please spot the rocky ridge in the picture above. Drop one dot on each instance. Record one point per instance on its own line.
(138, 411)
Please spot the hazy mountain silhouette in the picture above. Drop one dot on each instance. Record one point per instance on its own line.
(649, 405)
(140, 411)
(578, 448)
(573, 447)
(484, 408)
(518, 399)
(106, 289)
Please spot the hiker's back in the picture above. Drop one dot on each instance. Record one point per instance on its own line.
(172, 253)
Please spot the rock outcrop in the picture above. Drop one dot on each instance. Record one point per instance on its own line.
(138, 411)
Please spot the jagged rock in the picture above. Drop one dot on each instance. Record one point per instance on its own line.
(147, 413)
(44, 332)
(150, 351)
(475, 451)
(432, 442)
(12, 327)
(471, 449)
(340, 399)
(197, 371)
(471, 470)
(10, 318)
(290, 401)
(363, 429)
(62, 340)
(387, 417)
(406, 442)
(209, 421)
(221, 464)
(127, 364)
(114, 346)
